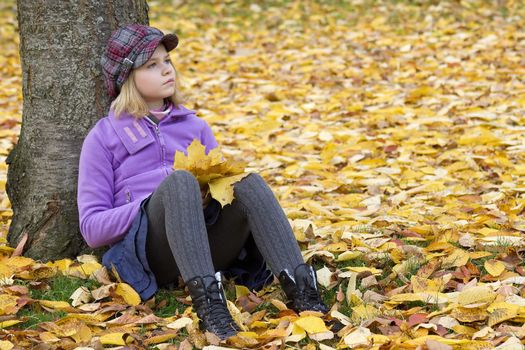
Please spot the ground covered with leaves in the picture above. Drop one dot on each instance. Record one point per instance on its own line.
(392, 133)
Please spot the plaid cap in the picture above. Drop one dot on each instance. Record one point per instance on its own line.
(130, 47)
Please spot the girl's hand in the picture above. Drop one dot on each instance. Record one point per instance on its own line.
(205, 195)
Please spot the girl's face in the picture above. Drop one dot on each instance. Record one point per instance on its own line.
(155, 79)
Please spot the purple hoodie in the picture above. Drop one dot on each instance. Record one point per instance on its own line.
(122, 161)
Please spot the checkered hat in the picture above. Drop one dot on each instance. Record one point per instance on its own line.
(130, 47)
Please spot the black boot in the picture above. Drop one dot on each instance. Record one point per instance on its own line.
(209, 302)
(301, 289)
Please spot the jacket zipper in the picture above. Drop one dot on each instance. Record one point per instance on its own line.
(162, 146)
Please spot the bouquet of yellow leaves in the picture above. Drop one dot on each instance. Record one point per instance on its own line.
(212, 169)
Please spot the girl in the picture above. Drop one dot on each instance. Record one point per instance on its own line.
(158, 222)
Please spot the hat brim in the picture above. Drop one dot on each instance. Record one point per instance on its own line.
(170, 42)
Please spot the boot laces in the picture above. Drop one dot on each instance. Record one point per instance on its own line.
(311, 295)
(309, 299)
(219, 317)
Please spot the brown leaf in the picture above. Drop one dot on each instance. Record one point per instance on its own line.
(417, 319)
(20, 247)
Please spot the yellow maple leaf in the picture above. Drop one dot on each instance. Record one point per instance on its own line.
(219, 172)
(222, 189)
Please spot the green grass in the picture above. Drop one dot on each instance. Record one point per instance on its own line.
(357, 262)
(329, 298)
(61, 288)
(36, 315)
(271, 311)
(412, 267)
(172, 306)
(417, 243)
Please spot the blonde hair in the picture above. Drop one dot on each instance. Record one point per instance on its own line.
(129, 100)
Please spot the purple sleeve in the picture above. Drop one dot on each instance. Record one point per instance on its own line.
(100, 223)
(207, 138)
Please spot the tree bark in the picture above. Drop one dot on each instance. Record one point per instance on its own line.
(61, 43)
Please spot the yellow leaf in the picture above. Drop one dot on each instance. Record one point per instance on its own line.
(275, 333)
(251, 335)
(114, 339)
(54, 304)
(85, 269)
(5, 250)
(279, 304)
(48, 337)
(161, 338)
(83, 334)
(419, 92)
(519, 169)
(499, 312)
(479, 254)
(6, 345)
(62, 265)
(351, 288)
(458, 258)
(349, 255)
(236, 315)
(363, 312)
(196, 153)
(427, 297)
(297, 335)
(6, 270)
(464, 330)
(484, 137)
(494, 267)
(379, 339)
(241, 291)
(420, 284)
(360, 269)
(311, 324)
(475, 295)
(206, 167)
(459, 343)
(463, 314)
(337, 247)
(19, 261)
(9, 323)
(129, 295)
(221, 189)
(8, 304)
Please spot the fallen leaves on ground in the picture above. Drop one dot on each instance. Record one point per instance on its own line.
(391, 133)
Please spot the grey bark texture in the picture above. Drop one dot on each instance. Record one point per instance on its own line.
(64, 95)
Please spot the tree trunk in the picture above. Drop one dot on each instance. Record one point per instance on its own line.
(61, 43)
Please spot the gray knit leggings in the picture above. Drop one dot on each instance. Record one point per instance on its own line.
(179, 243)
